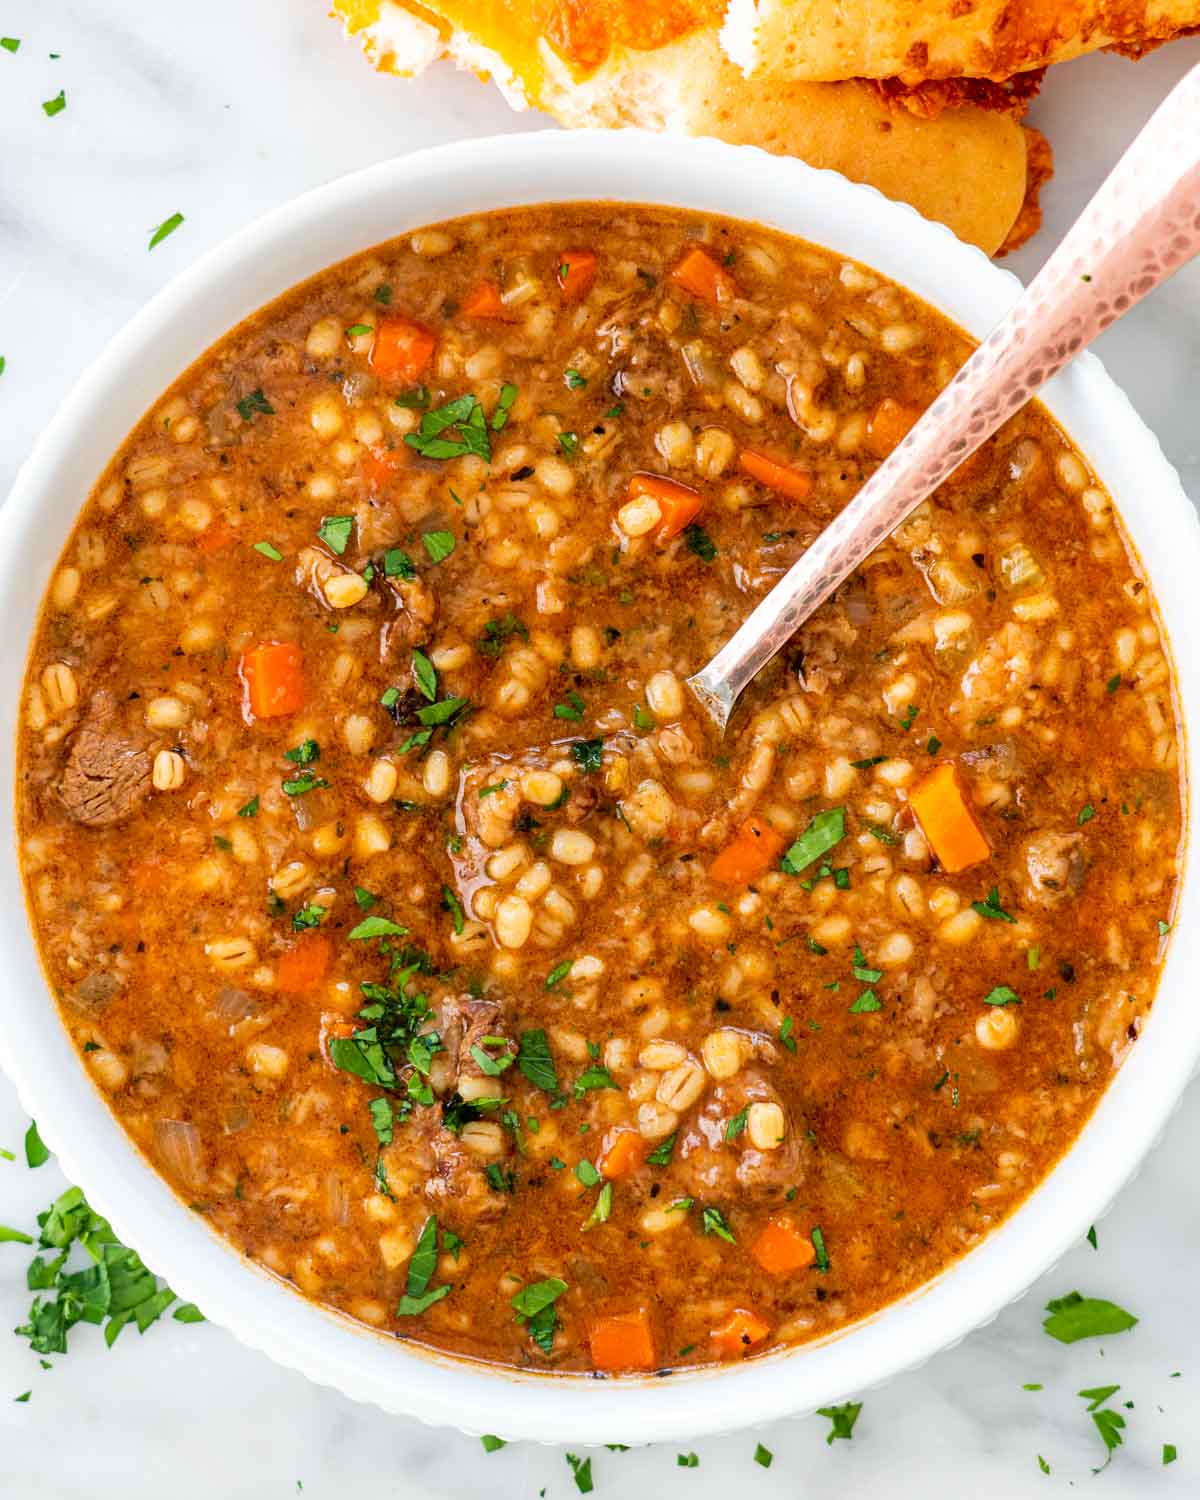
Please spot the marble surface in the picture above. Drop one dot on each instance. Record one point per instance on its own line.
(220, 111)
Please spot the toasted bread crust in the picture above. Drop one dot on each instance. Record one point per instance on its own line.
(965, 167)
(896, 39)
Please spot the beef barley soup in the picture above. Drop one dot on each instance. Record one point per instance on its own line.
(404, 906)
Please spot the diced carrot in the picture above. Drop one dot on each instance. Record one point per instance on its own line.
(679, 504)
(947, 821)
(740, 1331)
(216, 535)
(781, 1248)
(889, 423)
(484, 301)
(401, 349)
(622, 1153)
(379, 464)
(575, 273)
(303, 966)
(623, 1341)
(272, 678)
(700, 275)
(796, 484)
(751, 852)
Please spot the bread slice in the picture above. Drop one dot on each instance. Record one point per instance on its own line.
(816, 41)
(967, 167)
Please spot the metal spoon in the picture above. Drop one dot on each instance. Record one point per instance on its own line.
(1141, 226)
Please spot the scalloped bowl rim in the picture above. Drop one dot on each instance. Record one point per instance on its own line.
(227, 284)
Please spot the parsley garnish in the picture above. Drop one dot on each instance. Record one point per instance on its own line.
(424, 675)
(398, 564)
(1075, 1317)
(535, 1061)
(498, 632)
(763, 1456)
(826, 830)
(454, 906)
(37, 1153)
(568, 442)
(1109, 1424)
(491, 1443)
(699, 542)
(582, 1470)
(168, 226)
(1086, 814)
(439, 544)
(842, 1419)
(712, 1221)
(463, 416)
(910, 716)
(268, 551)
(249, 809)
(818, 1241)
(421, 1267)
(587, 754)
(661, 1155)
(335, 531)
(254, 402)
(1002, 995)
(534, 1307)
(573, 708)
(575, 381)
(56, 105)
(595, 1077)
(991, 908)
(558, 973)
(736, 1124)
(508, 394)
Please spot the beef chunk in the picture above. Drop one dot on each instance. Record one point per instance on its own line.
(106, 775)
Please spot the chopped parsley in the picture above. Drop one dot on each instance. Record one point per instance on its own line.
(575, 381)
(168, 226)
(642, 719)
(826, 830)
(398, 564)
(933, 744)
(535, 1061)
(595, 1077)
(249, 809)
(991, 908)
(1109, 1424)
(842, 1419)
(462, 416)
(498, 632)
(568, 442)
(662, 1153)
(587, 754)
(254, 402)
(417, 1295)
(763, 1456)
(273, 554)
(582, 1470)
(736, 1124)
(868, 1001)
(1076, 1317)
(818, 1243)
(909, 717)
(416, 398)
(534, 1307)
(1085, 815)
(454, 906)
(56, 105)
(438, 544)
(573, 708)
(785, 1034)
(335, 531)
(357, 330)
(558, 973)
(687, 1460)
(425, 676)
(508, 394)
(698, 541)
(37, 1154)
(441, 713)
(1002, 995)
(712, 1221)
(491, 1443)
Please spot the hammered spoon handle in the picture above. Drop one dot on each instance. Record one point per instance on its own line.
(1141, 226)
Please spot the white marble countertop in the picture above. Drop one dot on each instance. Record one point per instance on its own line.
(221, 111)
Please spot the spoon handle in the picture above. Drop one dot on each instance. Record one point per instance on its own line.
(1141, 226)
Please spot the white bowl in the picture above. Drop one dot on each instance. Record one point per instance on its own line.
(232, 281)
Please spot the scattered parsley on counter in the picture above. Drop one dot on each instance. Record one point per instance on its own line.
(492, 1443)
(763, 1456)
(582, 1470)
(1109, 1423)
(115, 1289)
(36, 1152)
(842, 1419)
(1075, 1317)
(168, 226)
(56, 105)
